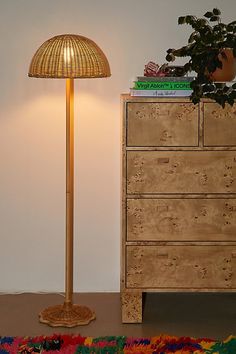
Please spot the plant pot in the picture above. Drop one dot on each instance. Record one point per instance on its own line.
(228, 71)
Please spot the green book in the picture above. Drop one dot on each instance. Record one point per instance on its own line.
(162, 85)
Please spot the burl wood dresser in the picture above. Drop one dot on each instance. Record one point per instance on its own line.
(178, 199)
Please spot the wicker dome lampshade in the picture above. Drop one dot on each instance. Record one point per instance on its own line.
(69, 56)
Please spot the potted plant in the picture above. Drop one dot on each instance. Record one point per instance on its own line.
(212, 49)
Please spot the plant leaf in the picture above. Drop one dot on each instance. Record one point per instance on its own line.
(233, 94)
(190, 20)
(193, 36)
(170, 50)
(232, 23)
(187, 67)
(230, 28)
(216, 11)
(231, 101)
(225, 89)
(208, 14)
(208, 88)
(181, 20)
(202, 22)
(170, 57)
(214, 18)
(219, 27)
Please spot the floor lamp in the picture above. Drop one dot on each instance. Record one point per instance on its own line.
(69, 57)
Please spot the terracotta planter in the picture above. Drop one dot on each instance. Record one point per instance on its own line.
(228, 71)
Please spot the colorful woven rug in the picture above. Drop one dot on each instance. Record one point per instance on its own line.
(70, 344)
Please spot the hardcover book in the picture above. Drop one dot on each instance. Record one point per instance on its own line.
(166, 78)
(162, 85)
(160, 93)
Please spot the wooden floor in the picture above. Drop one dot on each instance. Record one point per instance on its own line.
(198, 315)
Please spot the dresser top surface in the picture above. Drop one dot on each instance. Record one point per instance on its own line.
(125, 97)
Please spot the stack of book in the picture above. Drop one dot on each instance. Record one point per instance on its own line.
(162, 86)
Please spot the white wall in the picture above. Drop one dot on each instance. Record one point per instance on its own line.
(32, 134)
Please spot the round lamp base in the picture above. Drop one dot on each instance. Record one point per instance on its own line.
(66, 315)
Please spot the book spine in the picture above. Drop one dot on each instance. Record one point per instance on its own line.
(160, 93)
(165, 78)
(158, 85)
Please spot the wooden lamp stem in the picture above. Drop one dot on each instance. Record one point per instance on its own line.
(69, 189)
(68, 314)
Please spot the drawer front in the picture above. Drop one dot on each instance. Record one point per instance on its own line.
(181, 267)
(162, 124)
(181, 219)
(219, 125)
(181, 172)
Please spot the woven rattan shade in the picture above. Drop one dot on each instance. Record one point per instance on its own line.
(69, 56)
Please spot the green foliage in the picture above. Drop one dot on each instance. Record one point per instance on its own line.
(209, 37)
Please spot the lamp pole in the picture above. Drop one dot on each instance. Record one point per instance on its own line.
(69, 190)
(68, 314)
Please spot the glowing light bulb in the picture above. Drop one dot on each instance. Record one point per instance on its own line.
(68, 54)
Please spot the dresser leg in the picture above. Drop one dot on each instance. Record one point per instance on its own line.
(131, 305)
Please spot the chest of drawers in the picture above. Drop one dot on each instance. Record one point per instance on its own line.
(178, 199)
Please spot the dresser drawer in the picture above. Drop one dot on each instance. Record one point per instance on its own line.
(181, 219)
(162, 124)
(219, 125)
(181, 266)
(181, 172)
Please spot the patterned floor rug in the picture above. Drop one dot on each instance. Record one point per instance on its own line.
(70, 344)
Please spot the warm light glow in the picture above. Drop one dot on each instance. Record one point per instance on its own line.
(68, 54)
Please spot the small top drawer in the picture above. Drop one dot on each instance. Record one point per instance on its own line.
(219, 125)
(162, 124)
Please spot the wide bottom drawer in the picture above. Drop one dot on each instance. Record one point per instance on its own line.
(181, 219)
(182, 266)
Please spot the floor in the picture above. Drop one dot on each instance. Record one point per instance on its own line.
(193, 314)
